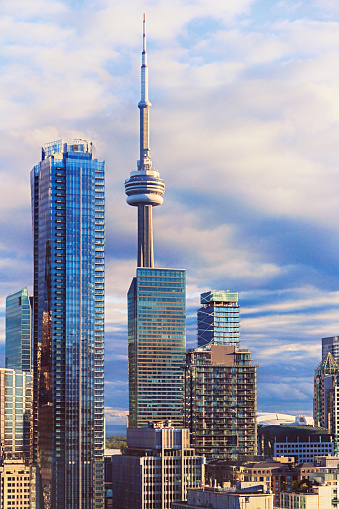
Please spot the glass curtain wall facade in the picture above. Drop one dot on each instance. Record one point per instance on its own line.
(68, 313)
(15, 413)
(219, 319)
(156, 346)
(18, 331)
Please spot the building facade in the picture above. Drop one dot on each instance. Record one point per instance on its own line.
(156, 469)
(219, 318)
(325, 401)
(15, 414)
(330, 345)
(156, 346)
(18, 331)
(301, 442)
(220, 401)
(68, 313)
(14, 484)
(250, 498)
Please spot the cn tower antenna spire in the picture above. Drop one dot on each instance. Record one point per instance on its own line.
(144, 188)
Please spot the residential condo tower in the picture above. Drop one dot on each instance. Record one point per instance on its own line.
(68, 313)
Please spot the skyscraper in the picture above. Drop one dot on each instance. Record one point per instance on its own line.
(331, 345)
(18, 331)
(68, 312)
(156, 299)
(219, 318)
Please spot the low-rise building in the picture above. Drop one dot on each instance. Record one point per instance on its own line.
(156, 468)
(318, 498)
(216, 498)
(302, 442)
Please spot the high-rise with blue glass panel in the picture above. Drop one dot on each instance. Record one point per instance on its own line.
(156, 299)
(18, 331)
(68, 341)
(219, 319)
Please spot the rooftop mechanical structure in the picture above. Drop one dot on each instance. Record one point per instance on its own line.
(144, 188)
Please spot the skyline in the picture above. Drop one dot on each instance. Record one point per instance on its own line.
(243, 131)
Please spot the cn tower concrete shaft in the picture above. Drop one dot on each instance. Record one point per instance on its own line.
(145, 236)
(144, 188)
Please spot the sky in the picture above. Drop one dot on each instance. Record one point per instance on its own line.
(244, 132)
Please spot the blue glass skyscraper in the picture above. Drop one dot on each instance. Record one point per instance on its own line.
(68, 313)
(18, 331)
(156, 299)
(219, 319)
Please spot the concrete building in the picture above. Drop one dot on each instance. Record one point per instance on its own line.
(15, 413)
(14, 484)
(301, 442)
(273, 474)
(18, 331)
(318, 498)
(249, 498)
(219, 318)
(68, 312)
(156, 469)
(220, 401)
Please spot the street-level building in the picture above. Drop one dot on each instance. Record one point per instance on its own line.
(318, 498)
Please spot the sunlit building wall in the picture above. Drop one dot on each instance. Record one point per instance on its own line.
(68, 420)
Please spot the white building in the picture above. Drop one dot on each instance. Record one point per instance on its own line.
(320, 498)
(219, 498)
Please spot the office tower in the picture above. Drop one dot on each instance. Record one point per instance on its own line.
(157, 468)
(68, 313)
(219, 318)
(15, 413)
(156, 346)
(330, 345)
(326, 395)
(156, 299)
(221, 401)
(18, 331)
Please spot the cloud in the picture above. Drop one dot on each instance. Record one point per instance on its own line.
(244, 129)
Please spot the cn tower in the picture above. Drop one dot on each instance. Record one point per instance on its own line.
(144, 188)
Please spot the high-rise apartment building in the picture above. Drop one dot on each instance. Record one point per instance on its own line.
(15, 414)
(326, 394)
(221, 401)
(219, 318)
(331, 345)
(157, 468)
(18, 331)
(156, 299)
(68, 313)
